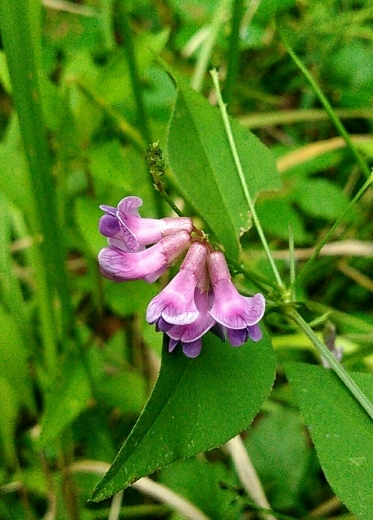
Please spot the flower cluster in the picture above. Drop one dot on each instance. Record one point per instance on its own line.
(201, 297)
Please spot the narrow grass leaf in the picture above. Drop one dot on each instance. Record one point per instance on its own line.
(22, 46)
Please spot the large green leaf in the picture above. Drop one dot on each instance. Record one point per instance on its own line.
(201, 160)
(341, 431)
(196, 405)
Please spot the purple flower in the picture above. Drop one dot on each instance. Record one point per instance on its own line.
(148, 265)
(175, 304)
(127, 230)
(238, 314)
(190, 335)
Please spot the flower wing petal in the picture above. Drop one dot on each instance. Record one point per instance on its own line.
(192, 349)
(255, 333)
(237, 337)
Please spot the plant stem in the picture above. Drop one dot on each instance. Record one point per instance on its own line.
(137, 87)
(116, 506)
(333, 363)
(247, 474)
(237, 161)
(156, 166)
(329, 109)
(135, 78)
(256, 278)
(292, 262)
(220, 16)
(125, 128)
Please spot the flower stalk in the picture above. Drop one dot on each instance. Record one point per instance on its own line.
(343, 375)
(250, 203)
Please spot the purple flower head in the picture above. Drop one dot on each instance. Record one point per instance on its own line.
(175, 303)
(237, 313)
(127, 230)
(149, 264)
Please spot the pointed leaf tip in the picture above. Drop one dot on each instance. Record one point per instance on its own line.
(187, 412)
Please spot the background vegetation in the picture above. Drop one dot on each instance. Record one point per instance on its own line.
(83, 91)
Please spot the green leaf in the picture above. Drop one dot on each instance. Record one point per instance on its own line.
(124, 391)
(14, 181)
(4, 74)
(275, 215)
(322, 198)
(129, 298)
(87, 215)
(9, 406)
(341, 431)
(196, 405)
(14, 359)
(65, 401)
(280, 451)
(198, 480)
(201, 160)
(18, 31)
(109, 163)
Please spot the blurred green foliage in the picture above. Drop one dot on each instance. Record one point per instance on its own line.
(77, 360)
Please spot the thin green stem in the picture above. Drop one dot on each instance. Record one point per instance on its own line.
(329, 109)
(237, 161)
(137, 88)
(221, 15)
(333, 363)
(257, 279)
(157, 168)
(292, 262)
(124, 127)
(170, 202)
(342, 319)
(233, 51)
(329, 234)
(106, 17)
